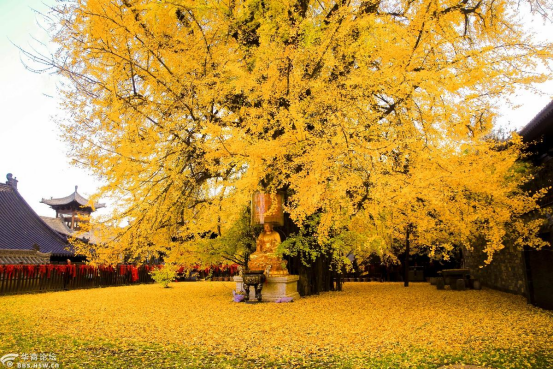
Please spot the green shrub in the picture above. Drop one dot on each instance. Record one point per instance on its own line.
(164, 275)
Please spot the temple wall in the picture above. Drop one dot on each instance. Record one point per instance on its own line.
(505, 273)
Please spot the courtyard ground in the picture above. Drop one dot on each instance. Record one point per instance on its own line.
(196, 325)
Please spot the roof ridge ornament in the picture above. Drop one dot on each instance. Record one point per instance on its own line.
(11, 180)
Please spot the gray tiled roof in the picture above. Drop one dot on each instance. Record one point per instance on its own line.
(21, 227)
(57, 225)
(74, 197)
(540, 125)
(23, 257)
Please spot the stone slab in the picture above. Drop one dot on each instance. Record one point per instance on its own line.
(274, 288)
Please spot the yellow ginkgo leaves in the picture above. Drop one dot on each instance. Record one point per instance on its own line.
(367, 325)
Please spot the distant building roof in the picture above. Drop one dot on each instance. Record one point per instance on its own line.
(21, 228)
(538, 133)
(23, 257)
(75, 197)
(58, 225)
(90, 237)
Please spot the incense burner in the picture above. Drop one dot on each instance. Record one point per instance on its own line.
(255, 278)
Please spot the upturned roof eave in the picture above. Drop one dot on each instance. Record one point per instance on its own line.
(65, 201)
(537, 126)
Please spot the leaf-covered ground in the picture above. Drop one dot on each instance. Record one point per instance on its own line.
(196, 325)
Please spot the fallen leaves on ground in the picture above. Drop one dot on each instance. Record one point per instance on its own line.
(366, 323)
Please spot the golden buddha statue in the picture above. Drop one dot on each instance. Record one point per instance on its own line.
(266, 245)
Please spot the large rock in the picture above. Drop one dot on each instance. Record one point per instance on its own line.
(274, 288)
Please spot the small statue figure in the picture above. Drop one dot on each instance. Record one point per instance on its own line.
(11, 180)
(265, 256)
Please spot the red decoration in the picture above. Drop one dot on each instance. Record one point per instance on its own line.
(61, 269)
(128, 270)
(29, 270)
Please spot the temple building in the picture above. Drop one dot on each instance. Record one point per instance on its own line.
(27, 238)
(24, 236)
(71, 212)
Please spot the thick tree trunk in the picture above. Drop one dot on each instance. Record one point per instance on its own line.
(304, 281)
(316, 278)
(319, 274)
(313, 279)
(327, 277)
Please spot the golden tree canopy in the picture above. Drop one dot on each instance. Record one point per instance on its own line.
(185, 108)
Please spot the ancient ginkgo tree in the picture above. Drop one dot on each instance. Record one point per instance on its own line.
(371, 114)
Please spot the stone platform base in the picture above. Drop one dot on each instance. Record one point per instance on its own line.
(274, 288)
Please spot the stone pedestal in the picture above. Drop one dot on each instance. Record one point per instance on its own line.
(274, 288)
